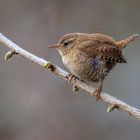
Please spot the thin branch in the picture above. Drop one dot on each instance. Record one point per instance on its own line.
(15, 49)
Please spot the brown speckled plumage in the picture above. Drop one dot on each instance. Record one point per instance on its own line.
(90, 57)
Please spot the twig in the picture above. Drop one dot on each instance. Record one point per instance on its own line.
(60, 72)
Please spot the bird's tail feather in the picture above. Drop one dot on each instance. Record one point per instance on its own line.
(123, 43)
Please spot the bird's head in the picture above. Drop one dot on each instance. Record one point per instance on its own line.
(66, 43)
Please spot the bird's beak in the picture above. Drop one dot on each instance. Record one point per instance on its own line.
(53, 46)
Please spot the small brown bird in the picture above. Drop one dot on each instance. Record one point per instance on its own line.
(90, 57)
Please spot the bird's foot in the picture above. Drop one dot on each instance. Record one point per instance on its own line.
(71, 78)
(97, 93)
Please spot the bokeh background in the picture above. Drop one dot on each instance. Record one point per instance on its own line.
(37, 105)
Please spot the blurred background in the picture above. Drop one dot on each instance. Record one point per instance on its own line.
(37, 105)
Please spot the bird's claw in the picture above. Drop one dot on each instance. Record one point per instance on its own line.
(71, 77)
(97, 93)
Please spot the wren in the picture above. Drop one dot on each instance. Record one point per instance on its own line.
(90, 57)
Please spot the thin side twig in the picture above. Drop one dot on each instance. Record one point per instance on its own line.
(122, 106)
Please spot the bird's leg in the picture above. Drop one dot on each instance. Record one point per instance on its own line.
(99, 90)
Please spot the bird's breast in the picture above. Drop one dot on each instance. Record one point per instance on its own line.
(70, 63)
(86, 69)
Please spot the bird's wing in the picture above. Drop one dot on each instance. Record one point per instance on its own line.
(106, 51)
(110, 53)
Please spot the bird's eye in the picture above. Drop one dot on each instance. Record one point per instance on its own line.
(66, 44)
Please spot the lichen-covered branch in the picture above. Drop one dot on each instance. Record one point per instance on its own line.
(113, 101)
